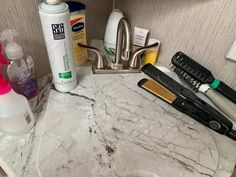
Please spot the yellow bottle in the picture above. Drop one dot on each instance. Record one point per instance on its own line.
(152, 54)
(77, 17)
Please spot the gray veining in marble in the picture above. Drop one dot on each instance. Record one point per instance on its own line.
(108, 127)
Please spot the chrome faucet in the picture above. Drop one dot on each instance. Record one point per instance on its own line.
(125, 60)
(122, 54)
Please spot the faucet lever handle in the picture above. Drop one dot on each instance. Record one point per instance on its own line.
(135, 61)
(101, 62)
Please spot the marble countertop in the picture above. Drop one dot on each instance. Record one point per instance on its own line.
(109, 127)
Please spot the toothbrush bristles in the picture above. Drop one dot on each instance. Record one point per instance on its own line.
(171, 66)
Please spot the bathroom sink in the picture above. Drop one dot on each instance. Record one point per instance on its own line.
(109, 127)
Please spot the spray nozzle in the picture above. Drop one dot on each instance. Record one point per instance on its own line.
(8, 35)
(12, 49)
(52, 2)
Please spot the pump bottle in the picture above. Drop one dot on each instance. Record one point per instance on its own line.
(20, 71)
(16, 117)
(55, 20)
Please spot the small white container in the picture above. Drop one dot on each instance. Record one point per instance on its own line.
(16, 117)
(111, 32)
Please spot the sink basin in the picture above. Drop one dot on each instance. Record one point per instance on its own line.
(109, 127)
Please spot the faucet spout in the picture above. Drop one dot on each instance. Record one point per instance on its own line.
(123, 38)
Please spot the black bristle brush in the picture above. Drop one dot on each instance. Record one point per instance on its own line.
(200, 79)
(199, 73)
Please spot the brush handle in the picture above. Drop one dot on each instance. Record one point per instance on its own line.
(224, 104)
(227, 91)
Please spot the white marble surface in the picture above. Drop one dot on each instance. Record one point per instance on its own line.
(109, 127)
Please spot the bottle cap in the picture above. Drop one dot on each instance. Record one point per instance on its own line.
(52, 2)
(75, 6)
(13, 50)
(5, 85)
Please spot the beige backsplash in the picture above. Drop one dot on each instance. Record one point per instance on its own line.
(204, 29)
(22, 15)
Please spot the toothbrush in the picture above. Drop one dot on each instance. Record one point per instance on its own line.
(219, 100)
(202, 75)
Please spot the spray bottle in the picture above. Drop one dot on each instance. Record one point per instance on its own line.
(55, 20)
(20, 71)
(16, 117)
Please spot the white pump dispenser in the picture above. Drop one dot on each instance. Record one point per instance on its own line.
(13, 50)
(16, 118)
(21, 69)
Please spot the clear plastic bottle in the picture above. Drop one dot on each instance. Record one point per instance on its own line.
(20, 71)
(16, 117)
(20, 75)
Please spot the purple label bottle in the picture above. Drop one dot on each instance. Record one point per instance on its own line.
(21, 77)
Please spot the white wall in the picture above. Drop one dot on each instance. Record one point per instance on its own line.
(204, 29)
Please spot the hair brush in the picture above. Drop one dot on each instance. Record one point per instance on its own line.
(201, 74)
(219, 100)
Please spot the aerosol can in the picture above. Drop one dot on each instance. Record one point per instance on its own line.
(55, 20)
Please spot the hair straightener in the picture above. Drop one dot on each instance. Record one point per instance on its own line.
(192, 70)
(186, 69)
(185, 101)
